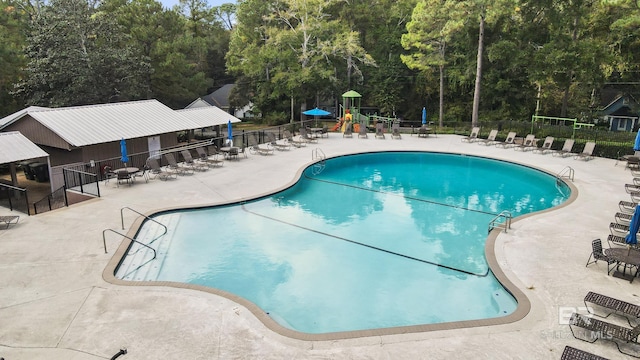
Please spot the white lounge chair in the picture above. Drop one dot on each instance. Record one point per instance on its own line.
(473, 136)
(566, 150)
(490, 140)
(587, 152)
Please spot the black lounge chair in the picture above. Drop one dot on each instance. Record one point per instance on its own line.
(612, 306)
(571, 353)
(597, 254)
(189, 161)
(627, 206)
(156, 170)
(623, 218)
(619, 229)
(599, 329)
(212, 160)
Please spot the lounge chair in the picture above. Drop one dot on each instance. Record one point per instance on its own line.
(473, 136)
(188, 160)
(509, 141)
(380, 130)
(546, 146)
(348, 130)
(490, 140)
(325, 131)
(599, 329)
(156, 170)
(528, 143)
(612, 306)
(618, 229)
(212, 160)
(180, 169)
(395, 130)
(571, 353)
(9, 220)
(623, 218)
(597, 254)
(280, 145)
(304, 134)
(630, 188)
(587, 153)
(256, 148)
(362, 131)
(295, 141)
(566, 150)
(628, 207)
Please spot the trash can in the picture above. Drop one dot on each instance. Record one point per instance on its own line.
(40, 171)
(28, 172)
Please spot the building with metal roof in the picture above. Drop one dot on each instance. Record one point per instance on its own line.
(80, 135)
(15, 147)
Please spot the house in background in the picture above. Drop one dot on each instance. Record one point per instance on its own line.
(220, 98)
(619, 110)
(81, 135)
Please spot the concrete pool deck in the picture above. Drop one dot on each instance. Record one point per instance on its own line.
(54, 302)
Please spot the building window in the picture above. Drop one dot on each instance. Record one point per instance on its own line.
(622, 123)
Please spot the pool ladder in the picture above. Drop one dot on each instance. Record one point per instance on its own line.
(502, 220)
(318, 167)
(567, 173)
(104, 232)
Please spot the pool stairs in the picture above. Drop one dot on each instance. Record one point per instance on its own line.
(139, 264)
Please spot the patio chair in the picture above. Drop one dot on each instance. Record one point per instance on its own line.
(597, 254)
(123, 177)
(180, 169)
(423, 131)
(509, 141)
(211, 160)
(587, 153)
(599, 329)
(566, 150)
(546, 146)
(189, 161)
(529, 143)
(9, 220)
(380, 130)
(108, 174)
(362, 132)
(473, 136)
(325, 131)
(571, 353)
(280, 145)
(297, 142)
(395, 130)
(156, 170)
(612, 306)
(490, 140)
(348, 130)
(304, 134)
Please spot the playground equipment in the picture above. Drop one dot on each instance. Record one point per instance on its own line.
(350, 112)
(559, 121)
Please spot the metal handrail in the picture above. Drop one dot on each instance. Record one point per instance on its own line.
(506, 215)
(146, 217)
(317, 153)
(104, 242)
(567, 172)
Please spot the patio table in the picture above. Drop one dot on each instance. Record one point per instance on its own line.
(628, 257)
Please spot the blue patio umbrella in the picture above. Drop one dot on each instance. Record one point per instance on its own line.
(424, 116)
(636, 145)
(316, 112)
(634, 226)
(123, 151)
(229, 133)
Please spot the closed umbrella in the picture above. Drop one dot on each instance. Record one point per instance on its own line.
(424, 116)
(123, 151)
(636, 145)
(229, 133)
(634, 226)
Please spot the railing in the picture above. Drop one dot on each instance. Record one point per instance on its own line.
(567, 173)
(81, 181)
(318, 167)
(146, 217)
(104, 242)
(14, 198)
(55, 200)
(502, 220)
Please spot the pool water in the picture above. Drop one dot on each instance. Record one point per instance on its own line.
(363, 241)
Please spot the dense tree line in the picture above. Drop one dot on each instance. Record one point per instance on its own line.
(465, 60)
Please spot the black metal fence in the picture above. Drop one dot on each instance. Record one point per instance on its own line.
(14, 198)
(81, 181)
(55, 200)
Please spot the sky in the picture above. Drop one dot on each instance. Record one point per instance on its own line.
(170, 3)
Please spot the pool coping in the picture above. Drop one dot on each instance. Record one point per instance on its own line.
(521, 311)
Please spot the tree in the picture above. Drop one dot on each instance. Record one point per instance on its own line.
(79, 56)
(13, 20)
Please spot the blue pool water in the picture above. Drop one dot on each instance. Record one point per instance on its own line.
(365, 241)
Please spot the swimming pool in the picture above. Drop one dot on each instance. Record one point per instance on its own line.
(360, 242)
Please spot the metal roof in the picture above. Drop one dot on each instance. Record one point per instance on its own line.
(16, 147)
(10, 119)
(208, 116)
(197, 103)
(96, 124)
